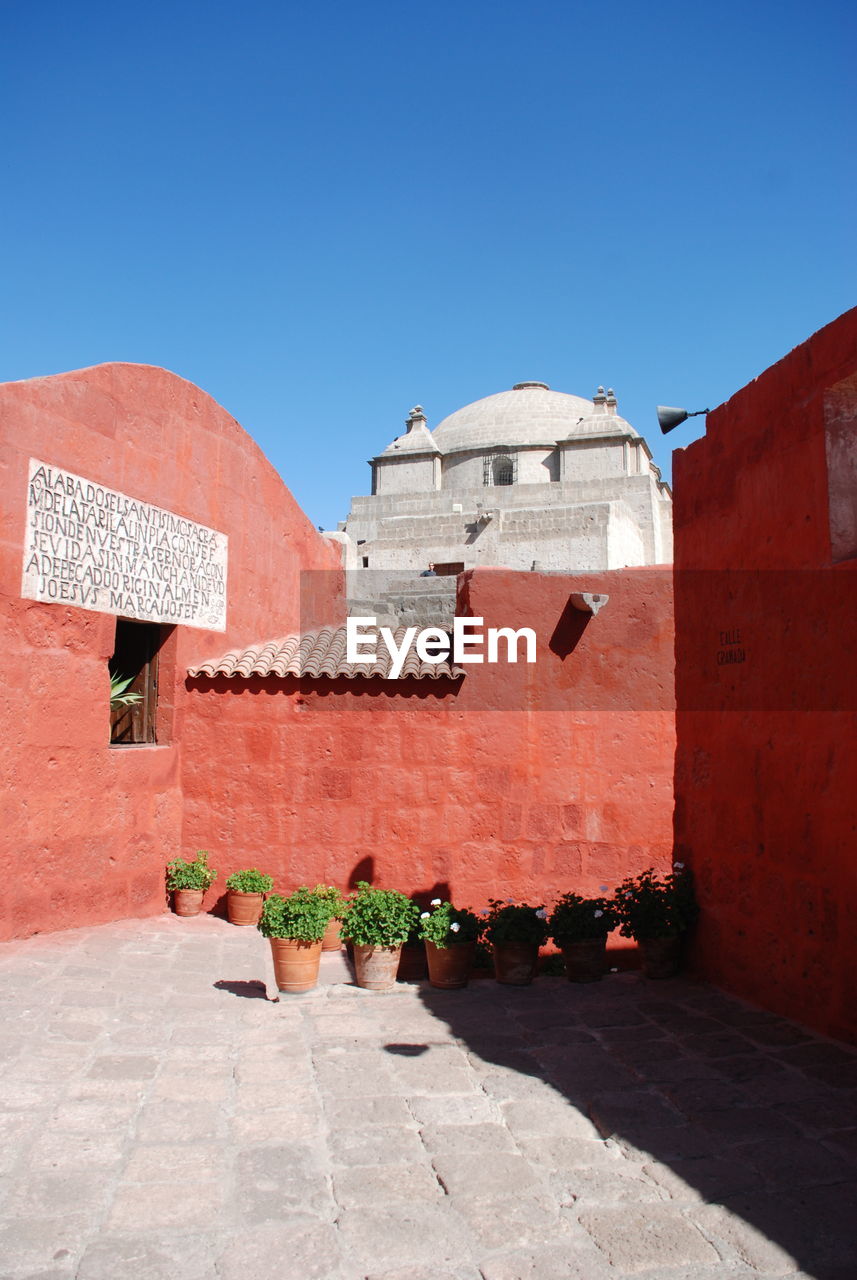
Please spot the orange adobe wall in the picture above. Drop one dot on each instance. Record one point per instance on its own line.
(518, 781)
(86, 828)
(766, 624)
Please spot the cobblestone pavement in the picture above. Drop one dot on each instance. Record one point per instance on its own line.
(164, 1118)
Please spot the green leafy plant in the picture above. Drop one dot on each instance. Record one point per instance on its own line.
(331, 895)
(119, 695)
(575, 919)
(515, 922)
(653, 906)
(414, 938)
(303, 915)
(191, 874)
(378, 917)
(446, 925)
(250, 881)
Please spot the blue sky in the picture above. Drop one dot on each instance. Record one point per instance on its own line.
(324, 214)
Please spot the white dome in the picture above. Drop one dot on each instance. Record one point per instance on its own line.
(529, 414)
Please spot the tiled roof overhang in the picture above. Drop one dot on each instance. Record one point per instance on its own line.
(322, 653)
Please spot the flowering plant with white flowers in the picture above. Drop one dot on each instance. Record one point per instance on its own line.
(575, 919)
(515, 922)
(653, 906)
(446, 925)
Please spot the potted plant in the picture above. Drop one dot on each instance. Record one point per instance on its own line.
(245, 895)
(657, 911)
(332, 939)
(187, 881)
(377, 922)
(450, 935)
(295, 927)
(579, 927)
(515, 931)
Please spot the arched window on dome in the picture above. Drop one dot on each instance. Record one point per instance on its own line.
(499, 468)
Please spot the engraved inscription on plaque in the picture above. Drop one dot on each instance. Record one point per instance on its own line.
(93, 547)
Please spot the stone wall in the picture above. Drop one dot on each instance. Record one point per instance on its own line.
(560, 526)
(767, 685)
(87, 828)
(518, 781)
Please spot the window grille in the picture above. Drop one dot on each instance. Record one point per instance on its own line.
(499, 468)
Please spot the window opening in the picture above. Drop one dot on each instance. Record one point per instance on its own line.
(450, 569)
(135, 657)
(499, 468)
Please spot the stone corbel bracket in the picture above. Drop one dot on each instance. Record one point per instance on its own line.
(485, 515)
(588, 601)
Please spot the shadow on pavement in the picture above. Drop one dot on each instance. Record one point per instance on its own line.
(719, 1102)
(252, 990)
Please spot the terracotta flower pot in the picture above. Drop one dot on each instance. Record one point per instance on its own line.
(332, 940)
(376, 967)
(295, 964)
(188, 902)
(515, 963)
(585, 959)
(244, 908)
(449, 967)
(661, 956)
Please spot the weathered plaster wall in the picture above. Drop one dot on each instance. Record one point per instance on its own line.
(525, 781)
(86, 828)
(767, 686)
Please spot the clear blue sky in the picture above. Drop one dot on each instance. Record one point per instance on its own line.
(326, 213)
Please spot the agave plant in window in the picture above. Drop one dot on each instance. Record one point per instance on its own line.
(119, 691)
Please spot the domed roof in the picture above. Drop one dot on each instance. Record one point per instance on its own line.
(529, 414)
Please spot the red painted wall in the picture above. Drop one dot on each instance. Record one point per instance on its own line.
(520, 781)
(87, 829)
(766, 607)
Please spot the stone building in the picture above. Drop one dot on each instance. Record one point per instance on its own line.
(527, 478)
(524, 479)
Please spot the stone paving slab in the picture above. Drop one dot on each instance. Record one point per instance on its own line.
(164, 1116)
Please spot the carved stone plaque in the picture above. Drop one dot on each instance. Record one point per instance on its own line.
(96, 548)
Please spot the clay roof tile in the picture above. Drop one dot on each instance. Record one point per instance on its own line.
(321, 654)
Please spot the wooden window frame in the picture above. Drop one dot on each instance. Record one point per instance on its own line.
(136, 653)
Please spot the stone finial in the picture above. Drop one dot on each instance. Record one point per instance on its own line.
(599, 400)
(415, 417)
(611, 400)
